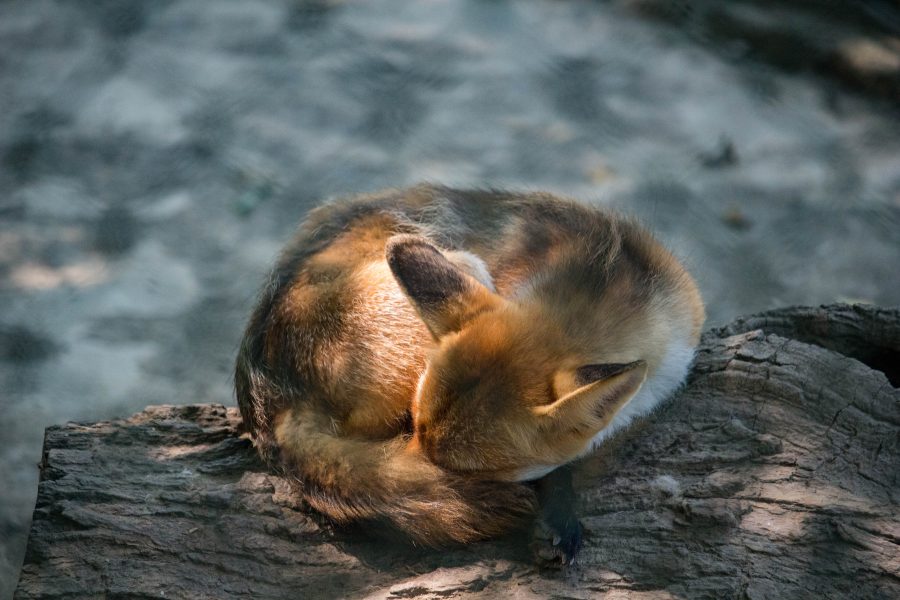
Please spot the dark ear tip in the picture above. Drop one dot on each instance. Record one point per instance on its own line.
(407, 254)
(404, 239)
(403, 244)
(640, 366)
(591, 373)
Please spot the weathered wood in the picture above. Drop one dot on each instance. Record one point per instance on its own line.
(774, 473)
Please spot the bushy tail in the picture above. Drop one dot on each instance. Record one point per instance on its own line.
(351, 480)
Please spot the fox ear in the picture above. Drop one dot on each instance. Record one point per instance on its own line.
(600, 392)
(443, 294)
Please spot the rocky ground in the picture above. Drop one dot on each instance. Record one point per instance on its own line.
(154, 156)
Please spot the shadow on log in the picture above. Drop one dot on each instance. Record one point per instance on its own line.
(773, 474)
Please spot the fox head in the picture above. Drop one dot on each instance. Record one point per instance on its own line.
(503, 394)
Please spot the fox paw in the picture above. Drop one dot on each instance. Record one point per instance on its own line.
(556, 544)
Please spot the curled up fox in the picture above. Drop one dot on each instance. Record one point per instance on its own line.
(419, 356)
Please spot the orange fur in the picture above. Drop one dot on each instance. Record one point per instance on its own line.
(392, 382)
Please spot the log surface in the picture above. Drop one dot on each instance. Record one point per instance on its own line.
(773, 474)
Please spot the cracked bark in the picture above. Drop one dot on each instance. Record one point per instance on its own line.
(774, 473)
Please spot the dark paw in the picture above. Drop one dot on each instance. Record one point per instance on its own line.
(556, 544)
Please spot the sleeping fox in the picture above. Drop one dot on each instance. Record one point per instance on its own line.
(418, 355)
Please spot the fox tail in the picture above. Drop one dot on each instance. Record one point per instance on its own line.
(352, 480)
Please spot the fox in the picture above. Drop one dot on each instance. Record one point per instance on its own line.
(433, 359)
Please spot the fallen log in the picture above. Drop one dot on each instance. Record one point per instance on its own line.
(773, 474)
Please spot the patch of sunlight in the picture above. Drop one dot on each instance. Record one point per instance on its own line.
(174, 452)
(36, 277)
(768, 520)
(808, 495)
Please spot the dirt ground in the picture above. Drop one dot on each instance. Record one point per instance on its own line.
(155, 156)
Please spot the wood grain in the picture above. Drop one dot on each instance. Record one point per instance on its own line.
(773, 474)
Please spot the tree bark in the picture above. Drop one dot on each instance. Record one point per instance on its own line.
(772, 474)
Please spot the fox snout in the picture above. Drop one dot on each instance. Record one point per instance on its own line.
(444, 451)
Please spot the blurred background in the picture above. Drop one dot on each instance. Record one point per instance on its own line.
(154, 156)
